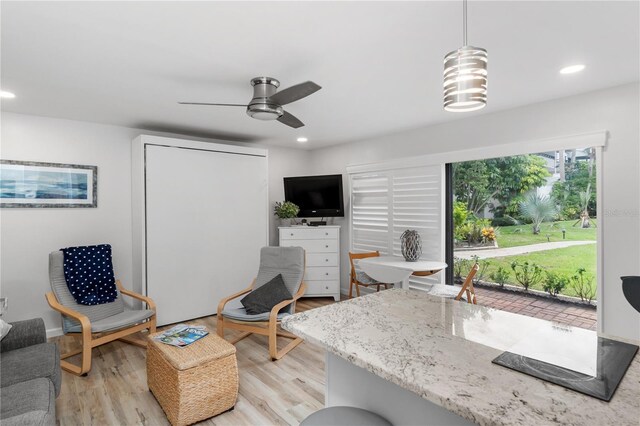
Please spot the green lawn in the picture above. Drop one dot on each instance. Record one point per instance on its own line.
(563, 261)
(521, 235)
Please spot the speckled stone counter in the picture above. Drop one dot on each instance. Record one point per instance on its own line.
(442, 350)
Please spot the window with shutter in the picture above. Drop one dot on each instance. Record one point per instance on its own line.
(386, 203)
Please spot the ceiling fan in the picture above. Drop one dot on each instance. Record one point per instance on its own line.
(267, 101)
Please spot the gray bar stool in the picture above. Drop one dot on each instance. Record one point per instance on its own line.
(344, 416)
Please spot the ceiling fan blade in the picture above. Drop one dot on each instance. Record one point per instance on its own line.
(290, 120)
(202, 103)
(294, 93)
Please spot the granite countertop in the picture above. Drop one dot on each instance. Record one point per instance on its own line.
(442, 350)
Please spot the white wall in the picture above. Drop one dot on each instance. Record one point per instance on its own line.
(283, 163)
(28, 235)
(616, 110)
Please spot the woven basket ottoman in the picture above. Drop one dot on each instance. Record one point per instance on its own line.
(195, 382)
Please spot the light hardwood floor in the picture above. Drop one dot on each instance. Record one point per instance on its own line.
(271, 393)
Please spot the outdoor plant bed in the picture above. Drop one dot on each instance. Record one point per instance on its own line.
(507, 288)
(466, 247)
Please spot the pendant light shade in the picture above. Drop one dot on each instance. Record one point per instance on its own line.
(465, 79)
(465, 75)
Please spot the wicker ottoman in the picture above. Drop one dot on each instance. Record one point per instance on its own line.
(195, 382)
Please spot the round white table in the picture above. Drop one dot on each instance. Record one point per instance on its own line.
(394, 269)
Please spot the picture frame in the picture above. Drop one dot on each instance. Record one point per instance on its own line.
(30, 184)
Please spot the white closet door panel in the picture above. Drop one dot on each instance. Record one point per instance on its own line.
(206, 221)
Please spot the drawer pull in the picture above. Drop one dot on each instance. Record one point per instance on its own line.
(326, 273)
(326, 246)
(292, 234)
(326, 233)
(326, 260)
(326, 287)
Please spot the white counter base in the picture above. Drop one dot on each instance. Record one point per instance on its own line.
(356, 387)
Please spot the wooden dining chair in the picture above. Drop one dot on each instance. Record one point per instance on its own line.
(359, 278)
(467, 288)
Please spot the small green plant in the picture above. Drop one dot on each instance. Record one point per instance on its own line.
(462, 231)
(286, 210)
(477, 226)
(483, 265)
(527, 274)
(460, 266)
(555, 283)
(583, 285)
(500, 276)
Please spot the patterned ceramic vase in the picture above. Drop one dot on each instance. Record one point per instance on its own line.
(411, 245)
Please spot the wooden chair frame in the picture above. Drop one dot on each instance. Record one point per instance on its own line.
(467, 287)
(353, 281)
(91, 340)
(264, 328)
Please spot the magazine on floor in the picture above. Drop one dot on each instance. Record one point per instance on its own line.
(182, 335)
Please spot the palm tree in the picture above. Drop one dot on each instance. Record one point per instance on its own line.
(538, 208)
(585, 197)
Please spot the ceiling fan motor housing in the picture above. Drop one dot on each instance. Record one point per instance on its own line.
(260, 106)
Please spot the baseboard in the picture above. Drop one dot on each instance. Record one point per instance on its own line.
(54, 332)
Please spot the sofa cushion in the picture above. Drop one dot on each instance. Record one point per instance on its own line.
(32, 362)
(31, 402)
(24, 333)
(4, 328)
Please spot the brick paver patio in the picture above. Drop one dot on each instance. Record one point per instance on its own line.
(565, 313)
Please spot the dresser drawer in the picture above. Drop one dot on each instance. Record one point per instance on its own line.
(308, 233)
(313, 246)
(322, 287)
(322, 259)
(321, 273)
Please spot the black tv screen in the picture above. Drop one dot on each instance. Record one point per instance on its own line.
(317, 196)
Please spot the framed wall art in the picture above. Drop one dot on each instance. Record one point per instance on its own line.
(41, 185)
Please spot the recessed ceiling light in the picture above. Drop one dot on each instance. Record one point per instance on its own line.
(572, 69)
(302, 140)
(6, 95)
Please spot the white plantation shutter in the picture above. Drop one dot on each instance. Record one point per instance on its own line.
(418, 204)
(384, 204)
(370, 212)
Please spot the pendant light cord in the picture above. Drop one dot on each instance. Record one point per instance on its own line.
(464, 22)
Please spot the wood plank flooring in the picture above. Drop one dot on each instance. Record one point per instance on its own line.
(271, 393)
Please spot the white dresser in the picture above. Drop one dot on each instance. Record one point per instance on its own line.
(322, 247)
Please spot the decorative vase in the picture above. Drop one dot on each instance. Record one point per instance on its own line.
(631, 290)
(411, 245)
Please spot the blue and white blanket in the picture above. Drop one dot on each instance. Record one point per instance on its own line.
(88, 271)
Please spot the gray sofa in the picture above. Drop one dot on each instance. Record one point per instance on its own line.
(29, 375)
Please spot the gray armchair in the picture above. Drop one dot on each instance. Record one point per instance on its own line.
(290, 263)
(29, 375)
(98, 324)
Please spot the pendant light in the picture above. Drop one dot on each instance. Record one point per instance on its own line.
(465, 75)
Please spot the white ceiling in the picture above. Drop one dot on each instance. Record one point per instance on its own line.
(380, 63)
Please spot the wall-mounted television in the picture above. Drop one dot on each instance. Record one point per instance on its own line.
(317, 196)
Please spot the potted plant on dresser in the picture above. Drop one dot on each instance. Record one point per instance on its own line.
(286, 211)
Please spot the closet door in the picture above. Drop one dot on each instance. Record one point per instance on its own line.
(206, 220)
